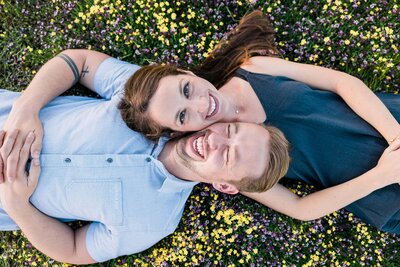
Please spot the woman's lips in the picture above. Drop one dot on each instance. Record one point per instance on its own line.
(213, 106)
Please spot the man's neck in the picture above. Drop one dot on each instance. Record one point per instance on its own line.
(165, 154)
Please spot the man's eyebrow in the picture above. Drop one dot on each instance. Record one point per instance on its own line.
(177, 122)
(236, 128)
(234, 153)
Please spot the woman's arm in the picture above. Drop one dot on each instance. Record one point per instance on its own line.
(54, 78)
(353, 91)
(323, 202)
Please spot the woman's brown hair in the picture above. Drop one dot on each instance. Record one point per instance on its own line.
(139, 89)
(254, 36)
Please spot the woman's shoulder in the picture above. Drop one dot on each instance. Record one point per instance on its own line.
(264, 64)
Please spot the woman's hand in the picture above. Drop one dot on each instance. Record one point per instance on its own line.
(20, 122)
(18, 192)
(389, 163)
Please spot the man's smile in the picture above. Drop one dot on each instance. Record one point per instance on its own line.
(198, 145)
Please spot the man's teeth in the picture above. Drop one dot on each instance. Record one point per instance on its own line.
(212, 106)
(198, 145)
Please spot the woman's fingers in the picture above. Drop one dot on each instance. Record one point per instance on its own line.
(395, 145)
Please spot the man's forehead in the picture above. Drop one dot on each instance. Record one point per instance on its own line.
(254, 152)
(215, 124)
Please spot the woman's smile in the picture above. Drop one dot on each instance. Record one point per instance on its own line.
(213, 106)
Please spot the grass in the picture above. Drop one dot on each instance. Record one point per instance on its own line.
(358, 37)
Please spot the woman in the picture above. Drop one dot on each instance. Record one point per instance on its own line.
(328, 138)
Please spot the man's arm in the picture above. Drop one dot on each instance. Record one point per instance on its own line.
(326, 201)
(58, 75)
(54, 78)
(50, 236)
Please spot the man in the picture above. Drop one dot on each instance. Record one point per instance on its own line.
(94, 168)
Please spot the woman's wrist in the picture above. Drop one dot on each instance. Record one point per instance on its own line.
(394, 138)
(381, 177)
(392, 131)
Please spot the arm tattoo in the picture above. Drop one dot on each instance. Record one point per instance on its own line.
(72, 65)
(85, 71)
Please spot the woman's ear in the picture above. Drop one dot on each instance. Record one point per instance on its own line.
(226, 188)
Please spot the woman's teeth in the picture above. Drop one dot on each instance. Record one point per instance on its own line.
(213, 105)
(198, 145)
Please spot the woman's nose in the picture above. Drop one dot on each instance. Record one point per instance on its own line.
(201, 105)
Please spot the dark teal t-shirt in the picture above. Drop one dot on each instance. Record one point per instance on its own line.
(330, 144)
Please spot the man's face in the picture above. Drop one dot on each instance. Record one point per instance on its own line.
(224, 152)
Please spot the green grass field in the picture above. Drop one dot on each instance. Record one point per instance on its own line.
(358, 37)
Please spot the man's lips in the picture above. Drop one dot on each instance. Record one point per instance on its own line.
(212, 107)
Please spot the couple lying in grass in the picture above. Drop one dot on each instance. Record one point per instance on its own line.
(123, 162)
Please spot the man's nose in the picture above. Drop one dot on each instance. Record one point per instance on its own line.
(216, 141)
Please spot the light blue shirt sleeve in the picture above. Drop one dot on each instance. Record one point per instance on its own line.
(104, 244)
(111, 76)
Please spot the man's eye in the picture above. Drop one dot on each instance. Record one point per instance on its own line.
(182, 116)
(186, 90)
(227, 155)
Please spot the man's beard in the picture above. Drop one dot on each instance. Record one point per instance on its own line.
(182, 156)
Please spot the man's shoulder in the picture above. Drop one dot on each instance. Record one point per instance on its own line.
(112, 75)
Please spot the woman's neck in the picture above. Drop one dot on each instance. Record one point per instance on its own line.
(243, 103)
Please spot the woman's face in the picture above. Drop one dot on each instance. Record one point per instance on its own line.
(186, 102)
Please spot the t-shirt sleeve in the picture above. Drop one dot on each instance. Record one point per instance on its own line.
(111, 76)
(104, 244)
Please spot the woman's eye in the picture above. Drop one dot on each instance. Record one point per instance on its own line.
(186, 90)
(182, 116)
